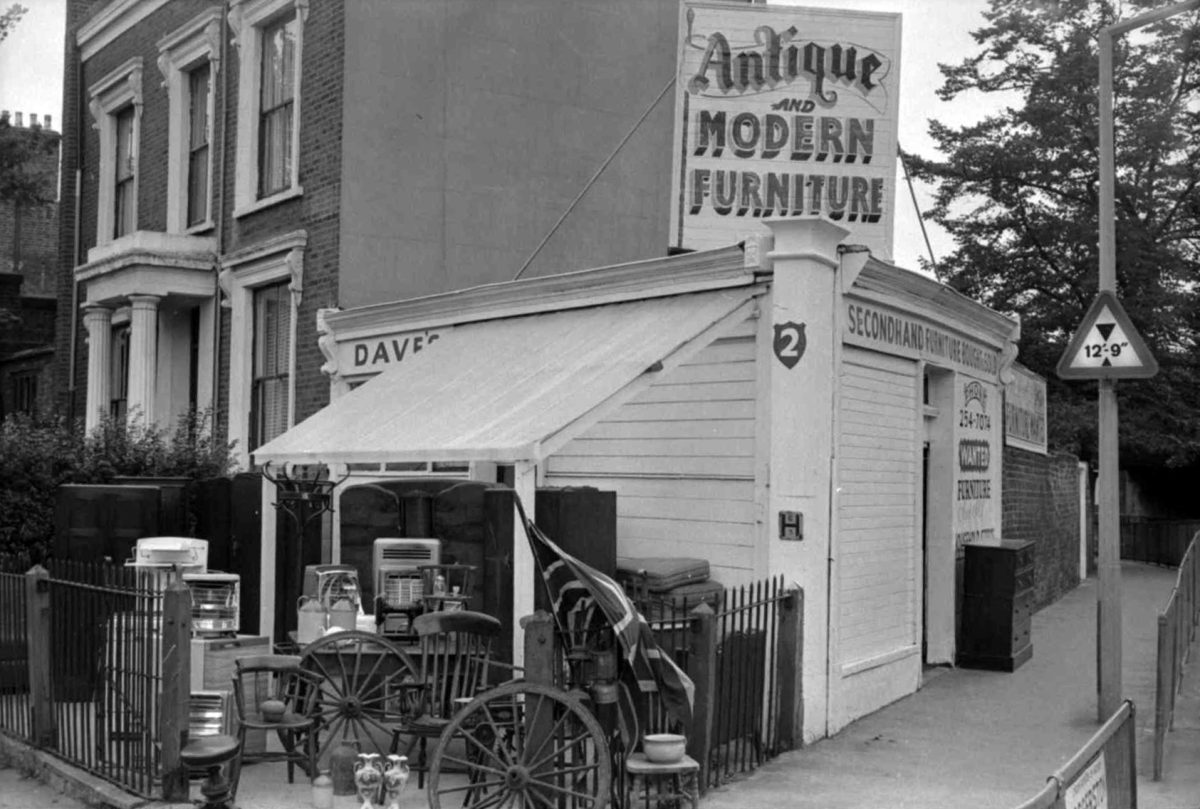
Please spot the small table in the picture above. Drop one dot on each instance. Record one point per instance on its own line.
(210, 753)
(679, 780)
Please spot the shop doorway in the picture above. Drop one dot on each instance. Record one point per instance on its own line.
(937, 536)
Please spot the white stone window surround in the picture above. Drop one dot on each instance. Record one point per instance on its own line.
(107, 97)
(278, 259)
(184, 49)
(248, 18)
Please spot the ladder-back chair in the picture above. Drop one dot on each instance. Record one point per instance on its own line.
(455, 658)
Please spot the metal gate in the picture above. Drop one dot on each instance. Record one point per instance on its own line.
(105, 683)
(14, 657)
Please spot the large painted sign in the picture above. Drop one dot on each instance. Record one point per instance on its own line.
(882, 328)
(783, 111)
(1025, 411)
(977, 462)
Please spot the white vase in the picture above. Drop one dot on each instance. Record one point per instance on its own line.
(395, 778)
(368, 778)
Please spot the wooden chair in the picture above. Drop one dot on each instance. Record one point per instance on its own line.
(455, 658)
(260, 678)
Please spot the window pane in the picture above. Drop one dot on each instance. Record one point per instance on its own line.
(278, 63)
(199, 83)
(276, 95)
(275, 155)
(125, 153)
(25, 392)
(198, 86)
(197, 186)
(272, 342)
(124, 175)
(119, 381)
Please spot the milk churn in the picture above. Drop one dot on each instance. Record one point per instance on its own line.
(310, 620)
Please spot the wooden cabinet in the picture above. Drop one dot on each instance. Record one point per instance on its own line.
(997, 606)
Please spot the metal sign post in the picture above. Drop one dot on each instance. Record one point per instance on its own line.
(1109, 597)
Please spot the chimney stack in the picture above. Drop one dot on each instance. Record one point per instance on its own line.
(46, 121)
(20, 119)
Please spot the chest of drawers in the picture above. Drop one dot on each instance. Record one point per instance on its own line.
(997, 606)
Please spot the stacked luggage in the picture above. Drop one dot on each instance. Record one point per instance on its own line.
(667, 588)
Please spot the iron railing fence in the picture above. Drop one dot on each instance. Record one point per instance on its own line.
(745, 721)
(106, 683)
(1176, 631)
(14, 655)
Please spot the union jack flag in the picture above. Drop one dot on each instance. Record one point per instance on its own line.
(583, 597)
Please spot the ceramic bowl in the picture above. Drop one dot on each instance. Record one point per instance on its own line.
(664, 748)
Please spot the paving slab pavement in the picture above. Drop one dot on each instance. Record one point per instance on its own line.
(989, 740)
(21, 791)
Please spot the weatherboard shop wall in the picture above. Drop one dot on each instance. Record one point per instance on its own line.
(771, 400)
(896, 327)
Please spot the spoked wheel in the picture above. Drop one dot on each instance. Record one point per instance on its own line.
(522, 746)
(363, 690)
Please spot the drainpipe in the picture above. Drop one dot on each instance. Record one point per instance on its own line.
(76, 235)
(219, 201)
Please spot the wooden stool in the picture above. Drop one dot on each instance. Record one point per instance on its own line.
(211, 753)
(661, 783)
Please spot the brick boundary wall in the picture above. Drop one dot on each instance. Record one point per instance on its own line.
(1041, 503)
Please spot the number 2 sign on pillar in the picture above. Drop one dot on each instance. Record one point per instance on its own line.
(790, 343)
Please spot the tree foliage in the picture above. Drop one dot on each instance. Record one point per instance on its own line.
(9, 18)
(28, 164)
(37, 456)
(1019, 192)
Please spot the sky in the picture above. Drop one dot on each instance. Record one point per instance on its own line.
(932, 31)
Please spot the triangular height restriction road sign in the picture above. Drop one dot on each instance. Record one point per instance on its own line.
(1107, 346)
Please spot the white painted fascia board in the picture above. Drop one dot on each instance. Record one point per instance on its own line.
(153, 241)
(528, 453)
(653, 278)
(110, 22)
(925, 309)
(116, 286)
(203, 262)
(885, 283)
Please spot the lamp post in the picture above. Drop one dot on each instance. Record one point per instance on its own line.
(1108, 496)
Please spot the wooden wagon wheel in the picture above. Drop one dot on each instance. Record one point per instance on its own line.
(363, 691)
(521, 745)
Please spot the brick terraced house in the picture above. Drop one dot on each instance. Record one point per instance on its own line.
(28, 260)
(240, 166)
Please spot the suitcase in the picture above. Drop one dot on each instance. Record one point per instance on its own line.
(660, 574)
(678, 601)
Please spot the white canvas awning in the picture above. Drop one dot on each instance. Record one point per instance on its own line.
(512, 389)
